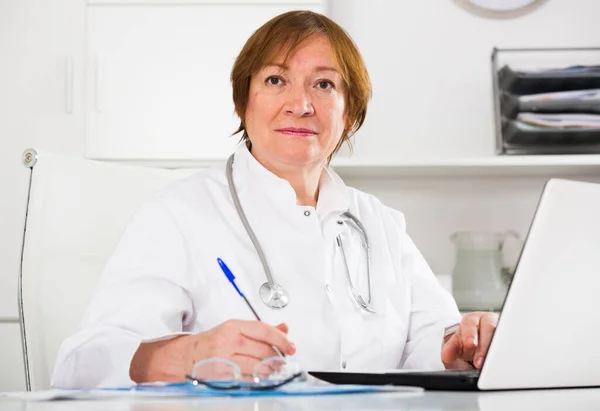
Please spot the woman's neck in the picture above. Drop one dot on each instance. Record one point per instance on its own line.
(305, 184)
(304, 180)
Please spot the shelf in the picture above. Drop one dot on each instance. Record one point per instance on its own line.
(538, 165)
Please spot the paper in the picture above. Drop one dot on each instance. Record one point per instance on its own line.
(561, 121)
(579, 95)
(188, 390)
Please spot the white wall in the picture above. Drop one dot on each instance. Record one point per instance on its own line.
(435, 208)
(429, 62)
(427, 49)
(430, 65)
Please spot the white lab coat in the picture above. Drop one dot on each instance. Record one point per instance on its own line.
(163, 278)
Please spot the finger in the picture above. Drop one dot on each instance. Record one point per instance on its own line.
(267, 334)
(253, 348)
(230, 341)
(487, 327)
(252, 369)
(283, 327)
(247, 365)
(469, 336)
(463, 343)
(452, 349)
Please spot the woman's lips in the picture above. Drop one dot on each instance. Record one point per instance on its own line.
(298, 132)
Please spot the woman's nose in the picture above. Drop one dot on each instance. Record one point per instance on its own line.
(299, 103)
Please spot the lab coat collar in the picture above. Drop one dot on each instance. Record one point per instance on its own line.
(334, 195)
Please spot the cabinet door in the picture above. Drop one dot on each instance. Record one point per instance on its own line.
(41, 106)
(158, 84)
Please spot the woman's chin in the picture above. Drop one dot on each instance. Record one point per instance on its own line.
(303, 158)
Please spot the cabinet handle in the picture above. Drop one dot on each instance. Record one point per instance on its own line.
(69, 84)
(99, 81)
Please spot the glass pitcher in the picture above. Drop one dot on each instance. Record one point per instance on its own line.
(480, 276)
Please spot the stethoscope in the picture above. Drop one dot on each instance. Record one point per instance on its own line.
(273, 294)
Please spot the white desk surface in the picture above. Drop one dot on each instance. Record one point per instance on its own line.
(547, 400)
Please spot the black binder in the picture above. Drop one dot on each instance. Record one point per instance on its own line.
(521, 139)
(510, 106)
(545, 81)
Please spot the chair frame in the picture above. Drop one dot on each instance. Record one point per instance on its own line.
(29, 159)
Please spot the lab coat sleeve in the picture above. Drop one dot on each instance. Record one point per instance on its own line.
(144, 293)
(432, 308)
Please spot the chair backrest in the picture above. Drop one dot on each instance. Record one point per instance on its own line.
(76, 212)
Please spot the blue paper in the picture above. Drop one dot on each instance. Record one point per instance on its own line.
(299, 388)
(175, 390)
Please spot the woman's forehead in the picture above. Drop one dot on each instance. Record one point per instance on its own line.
(316, 50)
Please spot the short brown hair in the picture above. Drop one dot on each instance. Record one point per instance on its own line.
(285, 32)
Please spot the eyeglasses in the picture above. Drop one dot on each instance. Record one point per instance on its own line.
(224, 374)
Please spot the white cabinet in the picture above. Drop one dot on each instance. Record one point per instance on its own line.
(12, 375)
(41, 105)
(158, 79)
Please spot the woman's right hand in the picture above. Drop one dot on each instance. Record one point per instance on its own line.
(244, 342)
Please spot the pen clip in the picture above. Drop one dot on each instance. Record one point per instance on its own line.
(229, 275)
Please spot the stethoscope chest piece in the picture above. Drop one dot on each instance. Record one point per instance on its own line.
(274, 296)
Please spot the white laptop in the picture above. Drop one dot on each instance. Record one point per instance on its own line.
(548, 335)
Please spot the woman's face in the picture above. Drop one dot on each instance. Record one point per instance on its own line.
(296, 112)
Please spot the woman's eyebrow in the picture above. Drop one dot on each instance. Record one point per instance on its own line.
(326, 68)
(316, 69)
(279, 65)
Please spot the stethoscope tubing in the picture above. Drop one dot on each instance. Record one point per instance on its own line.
(271, 284)
(240, 211)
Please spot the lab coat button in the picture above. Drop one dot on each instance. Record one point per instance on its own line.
(307, 213)
(344, 364)
(328, 288)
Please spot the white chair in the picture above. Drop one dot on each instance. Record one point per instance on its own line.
(77, 210)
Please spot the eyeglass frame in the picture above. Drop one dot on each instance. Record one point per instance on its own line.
(239, 384)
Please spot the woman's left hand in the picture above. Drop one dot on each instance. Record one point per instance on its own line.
(471, 341)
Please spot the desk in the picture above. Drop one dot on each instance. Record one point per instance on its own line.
(547, 400)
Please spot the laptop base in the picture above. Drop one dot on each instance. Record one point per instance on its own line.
(448, 380)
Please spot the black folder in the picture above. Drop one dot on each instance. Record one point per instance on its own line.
(545, 81)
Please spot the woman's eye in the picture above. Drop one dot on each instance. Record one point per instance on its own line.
(325, 84)
(274, 80)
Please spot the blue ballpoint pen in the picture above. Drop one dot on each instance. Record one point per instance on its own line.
(231, 279)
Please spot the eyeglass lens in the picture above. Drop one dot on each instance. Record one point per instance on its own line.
(221, 373)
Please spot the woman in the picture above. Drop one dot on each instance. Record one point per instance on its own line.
(300, 88)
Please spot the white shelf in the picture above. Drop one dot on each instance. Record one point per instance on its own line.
(538, 165)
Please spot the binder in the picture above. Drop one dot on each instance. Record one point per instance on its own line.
(511, 105)
(520, 139)
(548, 80)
